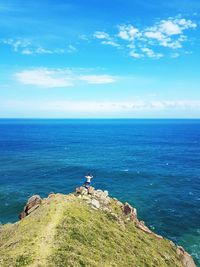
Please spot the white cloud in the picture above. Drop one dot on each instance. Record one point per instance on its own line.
(17, 45)
(150, 53)
(154, 35)
(128, 32)
(101, 35)
(41, 50)
(106, 39)
(27, 51)
(170, 27)
(136, 55)
(145, 52)
(26, 47)
(148, 41)
(185, 24)
(97, 79)
(43, 78)
(71, 49)
(109, 107)
(112, 43)
(56, 78)
(169, 33)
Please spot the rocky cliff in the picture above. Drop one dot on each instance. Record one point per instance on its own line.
(86, 228)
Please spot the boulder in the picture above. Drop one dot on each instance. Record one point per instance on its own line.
(91, 190)
(127, 209)
(86, 197)
(185, 257)
(32, 204)
(32, 209)
(105, 193)
(95, 203)
(51, 195)
(32, 201)
(102, 196)
(81, 190)
(22, 215)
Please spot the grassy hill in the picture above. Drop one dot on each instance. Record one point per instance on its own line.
(70, 230)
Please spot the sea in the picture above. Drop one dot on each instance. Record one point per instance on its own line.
(152, 164)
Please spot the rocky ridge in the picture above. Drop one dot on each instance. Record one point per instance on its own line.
(111, 210)
(100, 200)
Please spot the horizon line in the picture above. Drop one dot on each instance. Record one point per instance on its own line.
(98, 118)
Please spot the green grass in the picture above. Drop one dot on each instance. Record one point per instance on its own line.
(65, 231)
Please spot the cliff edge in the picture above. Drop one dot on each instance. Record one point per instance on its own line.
(86, 228)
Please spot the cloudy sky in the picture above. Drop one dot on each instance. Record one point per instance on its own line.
(100, 59)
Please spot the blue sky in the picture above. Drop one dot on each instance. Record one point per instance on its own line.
(100, 59)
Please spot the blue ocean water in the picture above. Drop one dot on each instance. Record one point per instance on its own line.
(153, 164)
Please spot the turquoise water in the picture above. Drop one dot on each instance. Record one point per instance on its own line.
(153, 164)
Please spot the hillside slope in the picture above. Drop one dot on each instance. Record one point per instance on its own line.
(85, 230)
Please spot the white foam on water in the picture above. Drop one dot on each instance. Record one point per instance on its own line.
(125, 170)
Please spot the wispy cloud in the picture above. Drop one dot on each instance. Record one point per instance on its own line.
(150, 53)
(109, 107)
(154, 41)
(38, 51)
(28, 47)
(17, 45)
(43, 78)
(101, 35)
(98, 79)
(106, 39)
(71, 49)
(57, 78)
(149, 41)
(175, 55)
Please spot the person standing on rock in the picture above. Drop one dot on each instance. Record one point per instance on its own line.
(88, 177)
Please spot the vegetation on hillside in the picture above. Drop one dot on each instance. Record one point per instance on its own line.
(66, 231)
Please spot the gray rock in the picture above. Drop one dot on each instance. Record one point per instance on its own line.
(106, 193)
(91, 190)
(34, 199)
(95, 203)
(81, 190)
(86, 197)
(102, 196)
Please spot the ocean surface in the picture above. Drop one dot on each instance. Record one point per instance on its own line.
(153, 164)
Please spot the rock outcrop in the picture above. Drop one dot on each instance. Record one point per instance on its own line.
(185, 257)
(32, 204)
(98, 198)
